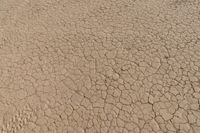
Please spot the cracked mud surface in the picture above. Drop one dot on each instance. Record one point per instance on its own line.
(99, 66)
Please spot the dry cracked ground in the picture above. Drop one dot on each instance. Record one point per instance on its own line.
(99, 66)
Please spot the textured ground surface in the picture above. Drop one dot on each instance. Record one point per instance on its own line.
(99, 66)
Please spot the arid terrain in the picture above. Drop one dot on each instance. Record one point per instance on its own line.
(99, 66)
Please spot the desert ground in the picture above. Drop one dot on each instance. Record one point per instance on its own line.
(99, 66)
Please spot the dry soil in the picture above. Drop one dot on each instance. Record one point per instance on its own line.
(99, 66)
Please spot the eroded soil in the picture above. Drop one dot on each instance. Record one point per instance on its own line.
(99, 66)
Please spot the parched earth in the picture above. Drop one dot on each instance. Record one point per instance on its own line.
(99, 66)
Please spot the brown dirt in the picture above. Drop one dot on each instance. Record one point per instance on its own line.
(99, 66)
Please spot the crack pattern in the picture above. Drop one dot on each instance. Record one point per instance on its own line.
(99, 66)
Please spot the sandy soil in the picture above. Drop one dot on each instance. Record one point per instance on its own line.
(99, 66)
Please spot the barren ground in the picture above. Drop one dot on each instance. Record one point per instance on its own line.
(99, 66)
